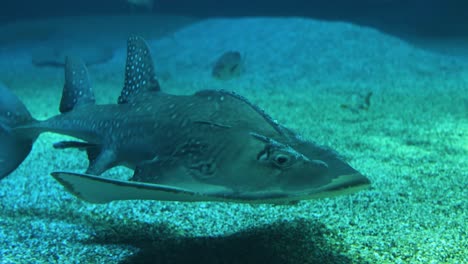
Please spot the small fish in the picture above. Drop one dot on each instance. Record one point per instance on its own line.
(357, 102)
(209, 146)
(228, 66)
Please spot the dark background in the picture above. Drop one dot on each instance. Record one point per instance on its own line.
(429, 18)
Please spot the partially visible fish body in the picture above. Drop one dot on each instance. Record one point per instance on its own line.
(209, 146)
(148, 4)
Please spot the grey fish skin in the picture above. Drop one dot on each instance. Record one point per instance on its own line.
(212, 145)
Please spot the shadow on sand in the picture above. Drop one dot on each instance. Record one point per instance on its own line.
(283, 242)
(299, 241)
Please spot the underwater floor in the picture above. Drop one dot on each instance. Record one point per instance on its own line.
(412, 143)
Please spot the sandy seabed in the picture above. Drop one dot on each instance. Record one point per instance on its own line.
(412, 143)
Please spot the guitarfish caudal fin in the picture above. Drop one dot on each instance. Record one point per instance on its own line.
(14, 147)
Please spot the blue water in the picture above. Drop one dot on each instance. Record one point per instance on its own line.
(308, 64)
(421, 17)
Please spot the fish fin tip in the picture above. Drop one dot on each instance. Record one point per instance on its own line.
(140, 75)
(13, 151)
(85, 187)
